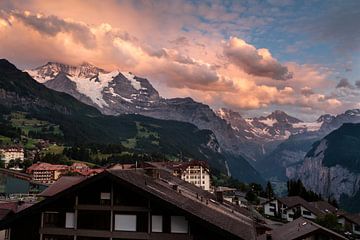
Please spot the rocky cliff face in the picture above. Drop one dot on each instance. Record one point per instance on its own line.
(329, 181)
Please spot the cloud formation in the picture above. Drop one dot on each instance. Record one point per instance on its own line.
(257, 62)
(183, 48)
(52, 25)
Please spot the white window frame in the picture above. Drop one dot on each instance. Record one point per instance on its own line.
(156, 223)
(125, 222)
(70, 220)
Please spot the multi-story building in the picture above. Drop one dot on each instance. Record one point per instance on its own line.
(45, 172)
(130, 204)
(195, 172)
(11, 153)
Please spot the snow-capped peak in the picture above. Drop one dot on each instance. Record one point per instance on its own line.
(131, 77)
(50, 70)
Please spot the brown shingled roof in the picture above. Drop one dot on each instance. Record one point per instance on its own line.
(209, 210)
(300, 229)
(324, 206)
(61, 184)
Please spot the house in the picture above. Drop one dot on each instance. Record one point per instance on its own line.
(11, 153)
(287, 207)
(129, 204)
(301, 228)
(350, 222)
(46, 172)
(324, 207)
(83, 169)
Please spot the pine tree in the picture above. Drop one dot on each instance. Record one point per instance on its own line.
(269, 191)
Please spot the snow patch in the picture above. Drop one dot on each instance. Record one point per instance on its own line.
(38, 77)
(269, 121)
(310, 126)
(136, 84)
(93, 88)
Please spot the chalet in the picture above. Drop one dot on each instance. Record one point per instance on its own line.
(11, 153)
(129, 204)
(301, 228)
(287, 207)
(83, 169)
(350, 222)
(45, 172)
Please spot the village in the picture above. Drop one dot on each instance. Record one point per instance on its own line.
(271, 216)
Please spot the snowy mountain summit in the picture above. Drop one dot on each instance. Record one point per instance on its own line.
(112, 92)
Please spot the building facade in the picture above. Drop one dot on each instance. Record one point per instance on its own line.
(12, 153)
(46, 173)
(194, 172)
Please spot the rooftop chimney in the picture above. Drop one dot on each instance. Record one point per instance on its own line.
(219, 196)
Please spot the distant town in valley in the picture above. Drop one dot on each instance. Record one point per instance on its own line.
(180, 120)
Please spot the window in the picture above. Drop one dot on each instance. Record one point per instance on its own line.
(105, 196)
(307, 213)
(179, 224)
(272, 210)
(98, 220)
(357, 228)
(52, 219)
(156, 223)
(124, 222)
(70, 220)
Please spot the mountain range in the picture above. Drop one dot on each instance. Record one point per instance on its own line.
(261, 140)
(82, 124)
(89, 102)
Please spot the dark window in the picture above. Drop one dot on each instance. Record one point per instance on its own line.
(291, 215)
(272, 204)
(307, 213)
(99, 220)
(272, 209)
(54, 219)
(357, 228)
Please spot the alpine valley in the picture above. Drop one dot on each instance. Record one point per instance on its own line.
(278, 146)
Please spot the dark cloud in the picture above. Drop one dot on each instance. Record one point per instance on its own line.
(344, 83)
(306, 91)
(357, 83)
(255, 62)
(52, 25)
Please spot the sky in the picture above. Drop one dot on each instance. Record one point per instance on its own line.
(252, 56)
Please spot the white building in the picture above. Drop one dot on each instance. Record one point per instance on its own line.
(350, 222)
(11, 153)
(195, 172)
(287, 207)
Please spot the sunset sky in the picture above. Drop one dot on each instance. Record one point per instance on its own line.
(252, 56)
